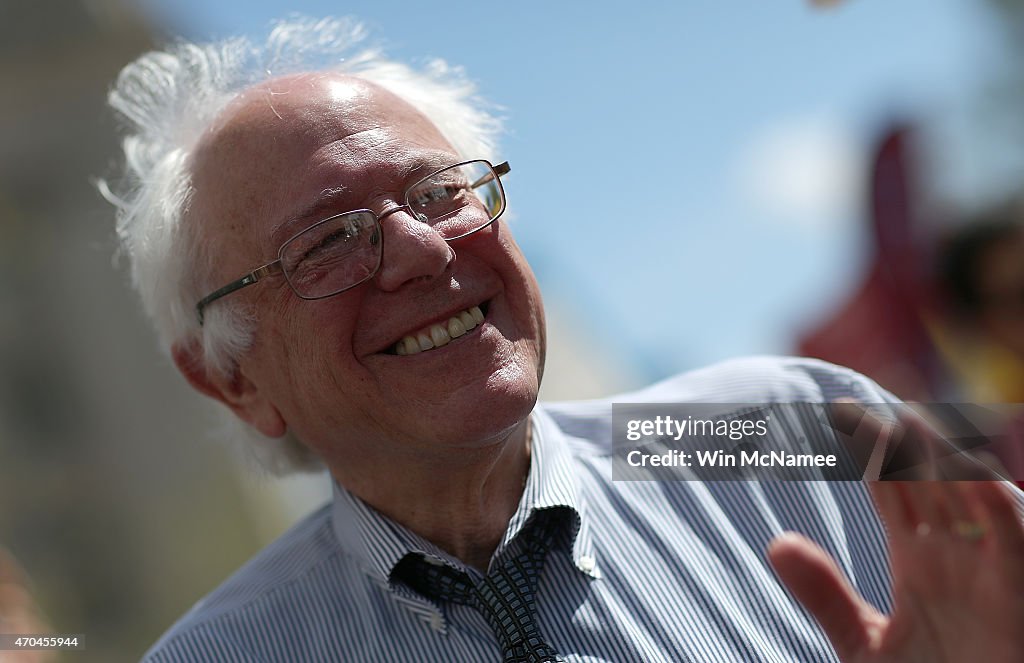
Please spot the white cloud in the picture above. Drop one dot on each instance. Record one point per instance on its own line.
(806, 171)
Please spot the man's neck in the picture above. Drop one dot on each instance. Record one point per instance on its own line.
(461, 504)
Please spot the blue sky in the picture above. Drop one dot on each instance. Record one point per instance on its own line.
(721, 144)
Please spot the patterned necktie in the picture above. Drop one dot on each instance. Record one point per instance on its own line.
(505, 597)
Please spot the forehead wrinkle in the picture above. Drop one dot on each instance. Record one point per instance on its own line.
(354, 146)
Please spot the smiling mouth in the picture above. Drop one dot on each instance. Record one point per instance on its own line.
(442, 333)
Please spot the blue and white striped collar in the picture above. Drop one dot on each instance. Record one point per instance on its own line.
(376, 543)
(552, 483)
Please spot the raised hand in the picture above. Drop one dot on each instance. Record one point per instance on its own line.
(957, 555)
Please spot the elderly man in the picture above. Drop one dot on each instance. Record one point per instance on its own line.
(324, 254)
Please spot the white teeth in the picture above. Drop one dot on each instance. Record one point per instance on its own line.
(456, 328)
(440, 334)
(409, 344)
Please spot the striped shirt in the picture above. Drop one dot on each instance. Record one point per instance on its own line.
(652, 571)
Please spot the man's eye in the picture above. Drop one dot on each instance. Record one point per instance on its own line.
(437, 193)
(332, 242)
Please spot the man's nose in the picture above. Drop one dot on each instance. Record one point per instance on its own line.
(413, 251)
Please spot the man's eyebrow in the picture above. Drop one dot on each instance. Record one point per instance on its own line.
(323, 206)
(329, 201)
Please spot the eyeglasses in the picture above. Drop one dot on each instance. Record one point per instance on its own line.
(344, 250)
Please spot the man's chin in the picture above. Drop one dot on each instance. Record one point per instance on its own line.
(493, 411)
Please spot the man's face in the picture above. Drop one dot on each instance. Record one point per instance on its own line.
(329, 366)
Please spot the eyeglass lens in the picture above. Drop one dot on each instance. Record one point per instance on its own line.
(458, 200)
(345, 250)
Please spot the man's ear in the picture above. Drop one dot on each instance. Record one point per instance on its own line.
(233, 389)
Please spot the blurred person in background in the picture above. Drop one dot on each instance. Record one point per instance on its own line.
(981, 277)
(317, 233)
(981, 274)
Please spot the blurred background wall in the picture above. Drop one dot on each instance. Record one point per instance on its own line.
(105, 465)
(690, 183)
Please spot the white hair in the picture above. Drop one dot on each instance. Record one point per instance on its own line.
(168, 99)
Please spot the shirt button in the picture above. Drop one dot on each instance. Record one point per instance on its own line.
(587, 564)
(436, 621)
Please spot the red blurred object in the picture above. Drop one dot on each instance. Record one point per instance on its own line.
(880, 329)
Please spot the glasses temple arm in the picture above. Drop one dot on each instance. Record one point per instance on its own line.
(248, 279)
(501, 169)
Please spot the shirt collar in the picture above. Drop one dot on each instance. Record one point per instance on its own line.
(553, 483)
(377, 543)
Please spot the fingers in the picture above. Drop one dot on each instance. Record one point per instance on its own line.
(909, 507)
(815, 580)
(914, 514)
(938, 529)
(997, 513)
(961, 513)
(919, 508)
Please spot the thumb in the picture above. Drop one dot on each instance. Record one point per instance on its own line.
(816, 581)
